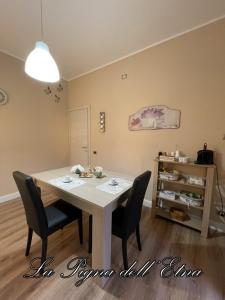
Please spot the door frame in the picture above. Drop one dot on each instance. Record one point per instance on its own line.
(88, 108)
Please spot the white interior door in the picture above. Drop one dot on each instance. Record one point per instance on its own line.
(79, 136)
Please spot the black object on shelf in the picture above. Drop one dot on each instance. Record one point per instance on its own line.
(205, 156)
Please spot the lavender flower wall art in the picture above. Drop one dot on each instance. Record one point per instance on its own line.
(154, 117)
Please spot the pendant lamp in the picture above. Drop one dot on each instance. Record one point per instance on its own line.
(40, 64)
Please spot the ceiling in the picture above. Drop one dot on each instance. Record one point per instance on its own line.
(86, 34)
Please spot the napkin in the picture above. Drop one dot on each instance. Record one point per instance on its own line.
(77, 167)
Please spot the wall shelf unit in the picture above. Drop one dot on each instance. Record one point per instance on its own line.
(198, 216)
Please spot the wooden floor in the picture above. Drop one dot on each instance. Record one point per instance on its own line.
(160, 239)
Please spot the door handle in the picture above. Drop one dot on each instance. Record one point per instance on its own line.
(84, 147)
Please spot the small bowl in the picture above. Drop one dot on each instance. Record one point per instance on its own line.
(67, 179)
(98, 174)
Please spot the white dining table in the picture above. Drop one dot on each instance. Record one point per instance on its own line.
(93, 200)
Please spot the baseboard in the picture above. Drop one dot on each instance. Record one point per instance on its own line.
(147, 203)
(9, 197)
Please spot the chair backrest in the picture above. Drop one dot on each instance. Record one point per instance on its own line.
(134, 203)
(34, 209)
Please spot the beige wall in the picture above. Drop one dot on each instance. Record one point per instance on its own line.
(33, 128)
(186, 73)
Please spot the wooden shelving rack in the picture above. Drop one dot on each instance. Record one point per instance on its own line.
(198, 216)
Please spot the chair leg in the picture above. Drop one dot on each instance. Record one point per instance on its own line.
(44, 250)
(138, 237)
(124, 248)
(29, 239)
(80, 228)
(90, 235)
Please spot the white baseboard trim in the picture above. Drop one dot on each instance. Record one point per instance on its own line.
(9, 197)
(147, 203)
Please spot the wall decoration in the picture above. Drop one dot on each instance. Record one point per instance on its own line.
(59, 88)
(3, 97)
(48, 90)
(56, 95)
(102, 121)
(154, 117)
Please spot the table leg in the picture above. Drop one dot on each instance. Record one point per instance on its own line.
(101, 241)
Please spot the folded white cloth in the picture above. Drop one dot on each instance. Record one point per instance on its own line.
(170, 195)
(77, 167)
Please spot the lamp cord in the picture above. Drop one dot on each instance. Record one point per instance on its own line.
(42, 31)
(218, 186)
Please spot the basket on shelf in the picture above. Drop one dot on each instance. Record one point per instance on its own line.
(178, 214)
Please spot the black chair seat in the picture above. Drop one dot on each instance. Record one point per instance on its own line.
(68, 209)
(60, 214)
(55, 218)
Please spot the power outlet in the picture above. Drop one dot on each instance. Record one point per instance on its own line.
(124, 76)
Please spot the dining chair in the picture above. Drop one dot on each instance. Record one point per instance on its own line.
(44, 220)
(126, 219)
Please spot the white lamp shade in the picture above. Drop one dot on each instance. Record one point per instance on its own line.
(40, 64)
